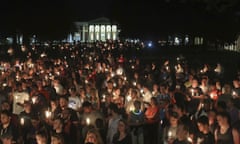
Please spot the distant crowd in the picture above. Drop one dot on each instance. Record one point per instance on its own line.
(107, 93)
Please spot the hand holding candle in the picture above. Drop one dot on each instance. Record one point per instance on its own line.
(192, 91)
(169, 134)
(34, 99)
(47, 114)
(87, 121)
(22, 121)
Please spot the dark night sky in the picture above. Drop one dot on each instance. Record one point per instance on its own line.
(52, 18)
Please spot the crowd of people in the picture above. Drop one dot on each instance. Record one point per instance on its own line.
(107, 93)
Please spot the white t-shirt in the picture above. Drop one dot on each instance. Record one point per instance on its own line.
(74, 103)
(19, 97)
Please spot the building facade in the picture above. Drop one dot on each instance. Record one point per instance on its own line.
(100, 29)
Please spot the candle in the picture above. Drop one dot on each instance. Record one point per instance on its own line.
(153, 92)
(47, 114)
(167, 68)
(191, 118)
(169, 134)
(134, 83)
(131, 108)
(234, 93)
(211, 95)
(34, 100)
(103, 98)
(190, 139)
(192, 91)
(129, 98)
(112, 74)
(88, 121)
(22, 121)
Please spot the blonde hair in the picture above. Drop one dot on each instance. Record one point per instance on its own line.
(96, 133)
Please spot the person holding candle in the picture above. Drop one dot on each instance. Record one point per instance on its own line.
(130, 104)
(55, 108)
(155, 91)
(89, 117)
(204, 85)
(236, 92)
(136, 121)
(182, 135)
(170, 131)
(25, 118)
(194, 96)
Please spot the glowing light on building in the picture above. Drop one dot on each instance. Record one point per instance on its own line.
(97, 31)
(108, 27)
(114, 32)
(103, 32)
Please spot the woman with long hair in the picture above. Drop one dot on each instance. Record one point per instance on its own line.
(93, 137)
(123, 135)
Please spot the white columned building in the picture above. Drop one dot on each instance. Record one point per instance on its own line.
(100, 29)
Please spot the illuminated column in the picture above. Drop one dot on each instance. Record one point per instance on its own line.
(103, 33)
(97, 32)
(91, 32)
(83, 33)
(84, 30)
(108, 29)
(114, 32)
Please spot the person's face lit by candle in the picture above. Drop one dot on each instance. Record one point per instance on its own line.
(53, 105)
(194, 83)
